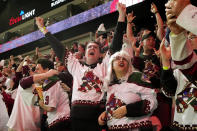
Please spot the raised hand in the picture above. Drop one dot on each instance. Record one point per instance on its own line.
(130, 17)
(26, 58)
(136, 49)
(165, 53)
(157, 52)
(39, 22)
(122, 11)
(20, 57)
(153, 8)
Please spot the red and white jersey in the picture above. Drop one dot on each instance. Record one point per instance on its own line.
(56, 97)
(126, 93)
(25, 115)
(189, 116)
(87, 82)
(3, 115)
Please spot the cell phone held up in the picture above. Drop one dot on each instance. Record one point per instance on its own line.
(167, 38)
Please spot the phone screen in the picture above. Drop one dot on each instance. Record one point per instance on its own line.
(167, 39)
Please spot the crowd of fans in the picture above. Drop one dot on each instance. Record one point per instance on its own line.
(119, 81)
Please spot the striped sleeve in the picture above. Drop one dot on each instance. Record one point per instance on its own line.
(183, 56)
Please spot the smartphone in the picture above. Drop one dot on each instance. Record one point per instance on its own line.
(167, 38)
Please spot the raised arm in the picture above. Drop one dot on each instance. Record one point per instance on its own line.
(28, 81)
(121, 25)
(19, 69)
(130, 24)
(168, 81)
(160, 30)
(54, 42)
(138, 62)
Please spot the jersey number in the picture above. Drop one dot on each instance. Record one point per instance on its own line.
(46, 100)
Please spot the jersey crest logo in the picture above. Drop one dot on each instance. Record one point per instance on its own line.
(90, 81)
(112, 104)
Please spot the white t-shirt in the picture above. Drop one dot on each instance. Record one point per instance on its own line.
(25, 115)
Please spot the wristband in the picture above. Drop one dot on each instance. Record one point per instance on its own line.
(165, 68)
(43, 29)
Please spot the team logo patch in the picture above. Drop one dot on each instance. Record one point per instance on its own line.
(90, 81)
(187, 97)
(150, 70)
(112, 104)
